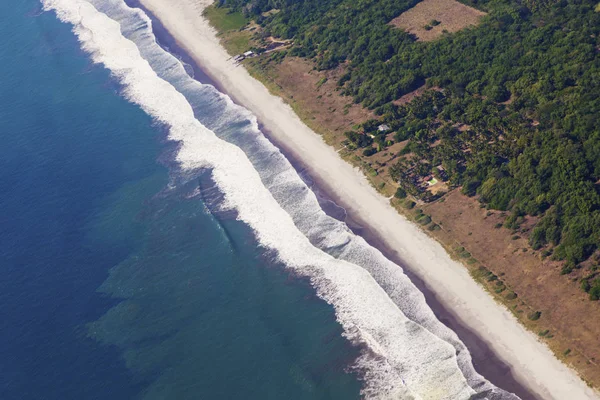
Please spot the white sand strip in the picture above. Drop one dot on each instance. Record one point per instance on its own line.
(531, 361)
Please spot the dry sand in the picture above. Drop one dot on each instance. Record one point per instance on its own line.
(531, 362)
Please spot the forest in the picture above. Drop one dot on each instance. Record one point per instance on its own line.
(524, 85)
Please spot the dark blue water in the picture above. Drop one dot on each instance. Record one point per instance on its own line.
(114, 286)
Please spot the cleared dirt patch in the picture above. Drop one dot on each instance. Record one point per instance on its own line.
(430, 18)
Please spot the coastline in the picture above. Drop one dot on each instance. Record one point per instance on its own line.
(457, 300)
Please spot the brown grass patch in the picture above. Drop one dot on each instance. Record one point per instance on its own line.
(572, 319)
(315, 92)
(452, 15)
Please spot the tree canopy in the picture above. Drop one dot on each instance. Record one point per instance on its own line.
(525, 82)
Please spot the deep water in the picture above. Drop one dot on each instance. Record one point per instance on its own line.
(119, 279)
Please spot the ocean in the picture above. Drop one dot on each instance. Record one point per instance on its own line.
(155, 245)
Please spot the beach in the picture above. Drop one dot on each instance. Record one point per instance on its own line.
(530, 362)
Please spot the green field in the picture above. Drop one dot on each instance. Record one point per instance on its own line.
(223, 19)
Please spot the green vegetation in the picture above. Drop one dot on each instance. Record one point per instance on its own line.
(225, 19)
(409, 204)
(534, 316)
(400, 193)
(424, 219)
(434, 227)
(511, 296)
(238, 42)
(462, 252)
(512, 115)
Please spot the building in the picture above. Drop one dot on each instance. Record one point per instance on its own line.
(249, 54)
(383, 128)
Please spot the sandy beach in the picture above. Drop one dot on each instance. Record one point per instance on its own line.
(531, 363)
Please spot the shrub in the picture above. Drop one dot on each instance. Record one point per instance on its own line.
(500, 289)
(595, 292)
(585, 285)
(470, 187)
(424, 219)
(566, 269)
(369, 152)
(546, 253)
(434, 227)
(462, 252)
(511, 296)
(409, 204)
(400, 193)
(534, 316)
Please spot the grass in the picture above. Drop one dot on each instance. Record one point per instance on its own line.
(237, 42)
(225, 20)
(229, 25)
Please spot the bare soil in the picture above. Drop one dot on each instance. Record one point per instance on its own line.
(452, 15)
(573, 321)
(316, 93)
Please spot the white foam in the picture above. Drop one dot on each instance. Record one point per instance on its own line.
(412, 354)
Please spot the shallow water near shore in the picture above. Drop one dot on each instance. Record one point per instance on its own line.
(192, 307)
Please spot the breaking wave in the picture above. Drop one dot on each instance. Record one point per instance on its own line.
(411, 355)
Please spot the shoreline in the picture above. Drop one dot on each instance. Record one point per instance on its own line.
(459, 298)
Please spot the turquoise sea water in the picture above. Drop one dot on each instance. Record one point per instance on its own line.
(116, 284)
